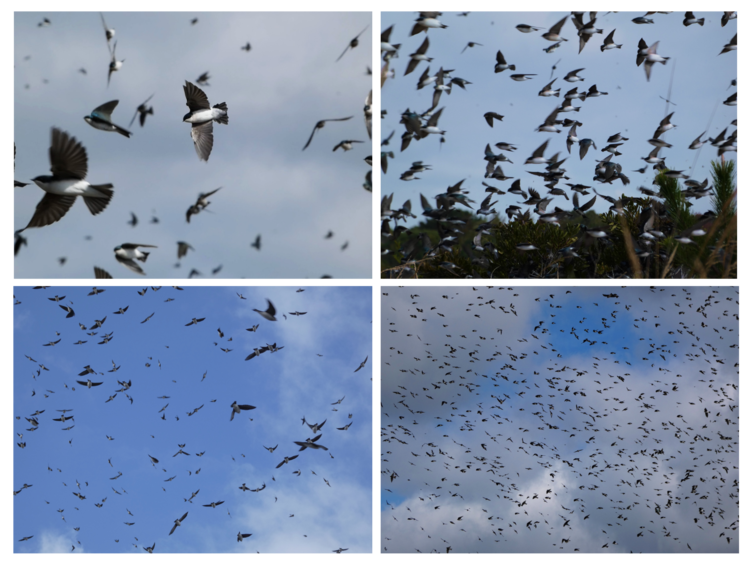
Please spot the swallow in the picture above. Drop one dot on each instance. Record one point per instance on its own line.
(114, 64)
(554, 32)
(177, 522)
(237, 407)
(352, 44)
(101, 118)
(651, 58)
(202, 116)
(522, 77)
(548, 91)
(346, 145)
(368, 115)
(69, 310)
(213, 504)
(182, 249)
(362, 364)
(731, 46)
(128, 253)
(88, 384)
(200, 204)
(537, 157)
(287, 460)
(143, 110)
(322, 124)
(109, 33)
(269, 313)
(256, 243)
(690, 19)
(583, 147)
(241, 536)
(471, 44)
(69, 167)
(418, 56)
(194, 321)
(523, 28)
(609, 42)
(203, 79)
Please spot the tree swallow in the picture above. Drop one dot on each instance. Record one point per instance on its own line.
(202, 116)
(143, 110)
(368, 114)
(320, 125)
(182, 249)
(346, 145)
(127, 253)
(353, 43)
(108, 32)
(15, 182)
(114, 64)
(101, 118)
(201, 203)
(651, 58)
(203, 79)
(69, 167)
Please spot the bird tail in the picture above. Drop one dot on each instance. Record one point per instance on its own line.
(96, 204)
(700, 21)
(145, 255)
(225, 118)
(512, 67)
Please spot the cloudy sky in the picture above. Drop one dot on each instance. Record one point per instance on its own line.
(633, 107)
(275, 93)
(539, 419)
(166, 361)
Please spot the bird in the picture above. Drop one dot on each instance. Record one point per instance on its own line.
(69, 166)
(177, 522)
(286, 460)
(352, 44)
(200, 204)
(346, 145)
(101, 118)
(201, 117)
(269, 313)
(236, 408)
(128, 253)
(256, 243)
(362, 364)
(114, 64)
(141, 112)
(182, 249)
(368, 116)
(320, 125)
(241, 536)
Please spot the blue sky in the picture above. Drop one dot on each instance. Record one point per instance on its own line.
(515, 423)
(633, 106)
(285, 386)
(275, 93)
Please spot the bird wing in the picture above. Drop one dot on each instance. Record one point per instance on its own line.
(67, 156)
(196, 98)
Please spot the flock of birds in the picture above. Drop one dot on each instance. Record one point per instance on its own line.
(540, 419)
(69, 159)
(417, 126)
(269, 314)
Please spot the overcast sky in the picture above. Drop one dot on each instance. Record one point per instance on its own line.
(275, 93)
(633, 106)
(515, 419)
(164, 358)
